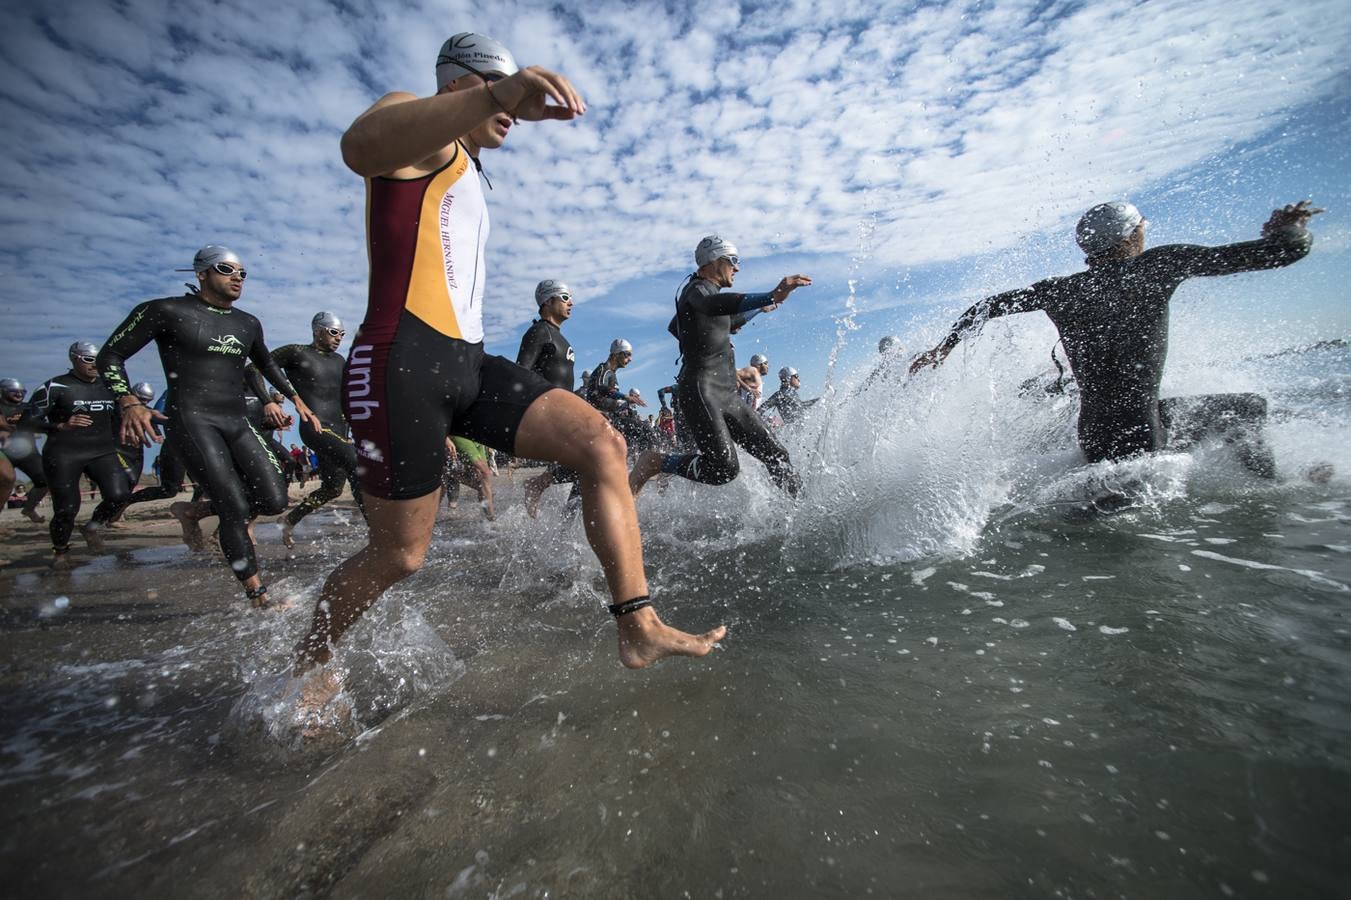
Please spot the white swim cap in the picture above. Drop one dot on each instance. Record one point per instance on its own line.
(325, 320)
(786, 373)
(714, 248)
(211, 254)
(619, 345)
(1106, 225)
(83, 348)
(472, 54)
(759, 359)
(143, 391)
(11, 386)
(550, 288)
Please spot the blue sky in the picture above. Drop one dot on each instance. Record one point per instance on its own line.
(927, 153)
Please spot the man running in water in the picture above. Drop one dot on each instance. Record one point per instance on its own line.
(204, 342)
(21, 447)
(76, 410)
(715, 418)
(602, 391)
(427, 225)
(1113, 319)
(786, 399)
(750, 381)
(548, 354)
(316, 371)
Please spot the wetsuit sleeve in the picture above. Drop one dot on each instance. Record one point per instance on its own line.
(771, 403)
(534, 347)
(263, 360)
(663, 393)
(728, 304)
(1006, 304)
(253, 380)
(1280, 248)
(135, 332)
(35, 413)
(285, 357)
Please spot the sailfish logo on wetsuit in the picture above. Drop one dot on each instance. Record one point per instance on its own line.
(227, 344)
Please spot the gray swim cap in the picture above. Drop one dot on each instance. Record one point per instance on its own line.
(211, 254)
(1106, 225)
(144, 392)
(549, 288)
(11, 386)
(619, 345)
(325, 320)
(786, 373)
(467, 53)
(890, 342)
(712, 249)
(759, 359)
(83, 348)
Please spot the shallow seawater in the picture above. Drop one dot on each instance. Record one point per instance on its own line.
(938, 682)
(1153, 703)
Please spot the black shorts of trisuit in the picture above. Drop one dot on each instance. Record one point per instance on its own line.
(405, 394)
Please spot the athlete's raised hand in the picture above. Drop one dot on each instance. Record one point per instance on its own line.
(932, 358)
(1291, 214)
(306, 414)
(787, 285)
(137, 425)
(526, 95)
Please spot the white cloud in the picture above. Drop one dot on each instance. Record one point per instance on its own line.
(135, 133)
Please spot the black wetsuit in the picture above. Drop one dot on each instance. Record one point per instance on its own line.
(601, 390)
(548, 354)
(317, 374)
(1113, 320)
(788, 402)
(203, 349)
(70, 453)
(21, 447)
(714, 416)
(256, 399)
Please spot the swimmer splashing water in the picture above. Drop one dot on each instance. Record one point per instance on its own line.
(418, 371)
(1113, 320)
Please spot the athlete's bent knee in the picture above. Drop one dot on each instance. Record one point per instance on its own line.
(721, 470)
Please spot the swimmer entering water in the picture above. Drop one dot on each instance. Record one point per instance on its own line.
(1113, 320)
(420, 159)
(715, 418)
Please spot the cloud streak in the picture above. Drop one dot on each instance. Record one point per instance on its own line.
(899, 136)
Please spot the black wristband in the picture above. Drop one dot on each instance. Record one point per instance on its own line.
(628, 606)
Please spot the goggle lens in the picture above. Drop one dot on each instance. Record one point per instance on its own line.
(229, 271)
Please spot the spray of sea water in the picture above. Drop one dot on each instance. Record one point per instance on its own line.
(937, 677)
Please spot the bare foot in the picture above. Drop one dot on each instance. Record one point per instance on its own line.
(534, 494)
(32, 515)
(647, 465)
(288, 533)
(320, 708)
(192, 531)
(644, 639)
(61, 561)
(92, 536)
